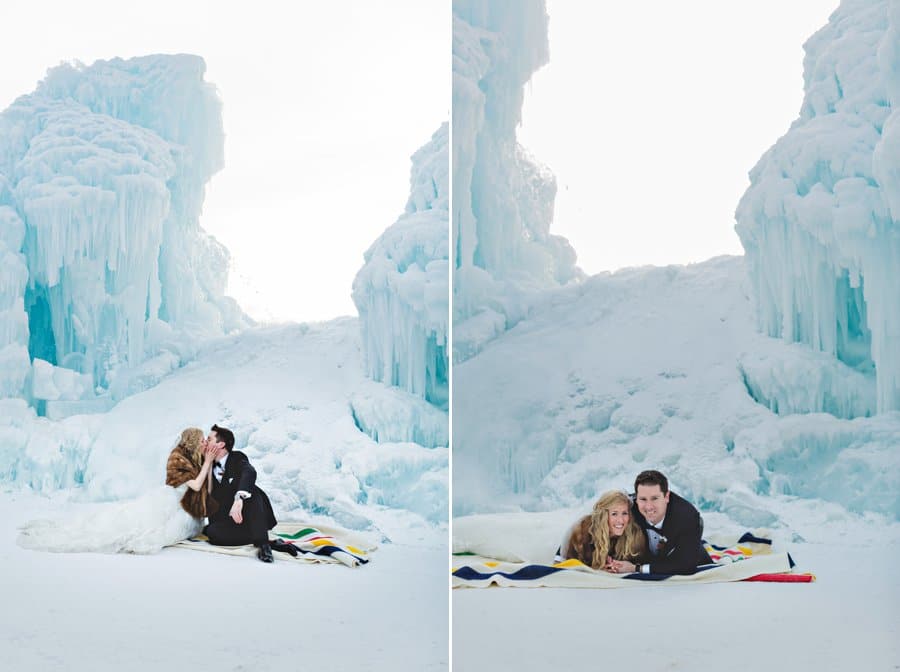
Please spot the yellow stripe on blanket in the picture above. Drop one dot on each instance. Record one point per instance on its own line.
(312, 545)
(571, 563)
(747, 557)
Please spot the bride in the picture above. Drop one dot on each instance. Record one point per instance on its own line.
(161, 517)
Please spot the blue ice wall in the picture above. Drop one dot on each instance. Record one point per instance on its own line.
(503, 251)
(401, 292)
(819, 222)
(102, 177)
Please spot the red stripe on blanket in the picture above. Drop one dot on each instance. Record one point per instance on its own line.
(783, 578)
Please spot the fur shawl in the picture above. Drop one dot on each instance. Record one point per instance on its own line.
(181, 468)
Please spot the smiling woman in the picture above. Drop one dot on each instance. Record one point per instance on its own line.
(609, 533)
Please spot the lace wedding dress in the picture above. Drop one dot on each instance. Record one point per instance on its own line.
(143, 525)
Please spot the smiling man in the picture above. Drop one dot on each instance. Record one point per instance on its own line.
(673, 527)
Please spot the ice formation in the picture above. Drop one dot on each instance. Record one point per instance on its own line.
(675, 368)
(327, 442)
(503, 251)
(401, 292)
(547, 419)
(819, 222)
(14, 361)
(107, 281)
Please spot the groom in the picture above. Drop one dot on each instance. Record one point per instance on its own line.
(673, 528)
(244, 514)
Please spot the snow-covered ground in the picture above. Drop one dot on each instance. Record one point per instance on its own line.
(846, 620)
(168, 611)
(296, 397)
(662, 368)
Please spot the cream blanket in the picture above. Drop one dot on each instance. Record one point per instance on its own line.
(315, 544)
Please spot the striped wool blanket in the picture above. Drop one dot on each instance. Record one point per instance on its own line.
(315, 545)
(750, 558)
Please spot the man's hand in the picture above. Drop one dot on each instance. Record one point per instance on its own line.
(236, 510)
(621, 567)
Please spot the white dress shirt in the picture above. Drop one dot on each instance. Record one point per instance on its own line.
(219, 472)
(653, 537)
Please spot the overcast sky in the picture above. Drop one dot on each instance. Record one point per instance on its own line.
(324, 102)
(651, 114)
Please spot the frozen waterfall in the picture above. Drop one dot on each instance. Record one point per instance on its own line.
(402, 290)
(819, 222)
(502, 198)
(108, 280)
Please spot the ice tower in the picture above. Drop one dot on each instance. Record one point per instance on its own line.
(820, 222)
(502, 198)
(402, 290)
(107, 280)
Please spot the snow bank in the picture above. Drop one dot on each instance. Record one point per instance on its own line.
(328, 444)
(654, 368)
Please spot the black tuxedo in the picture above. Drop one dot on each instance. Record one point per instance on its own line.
(683, 530)
(258, 517)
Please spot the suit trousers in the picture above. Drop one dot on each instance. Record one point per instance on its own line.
(223, 531)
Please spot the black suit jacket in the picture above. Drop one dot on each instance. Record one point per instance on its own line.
(240, 475)
(683, 530)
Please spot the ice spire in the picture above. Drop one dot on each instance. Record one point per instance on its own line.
(106, 166)
(819, 222)
(401, 291)
(502, 198)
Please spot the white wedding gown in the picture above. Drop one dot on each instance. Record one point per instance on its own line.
(142, 525)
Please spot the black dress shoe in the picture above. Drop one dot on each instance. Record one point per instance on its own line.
(284, 547)
(265, 553)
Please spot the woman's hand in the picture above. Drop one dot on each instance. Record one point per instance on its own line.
(620, 567)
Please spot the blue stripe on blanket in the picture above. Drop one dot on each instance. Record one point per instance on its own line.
(637, 576)
(330, 550)
(528, 572)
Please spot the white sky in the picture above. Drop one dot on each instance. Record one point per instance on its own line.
(652, 114)
(324, 102)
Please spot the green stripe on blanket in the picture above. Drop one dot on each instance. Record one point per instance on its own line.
(735, 563)
(315, 545)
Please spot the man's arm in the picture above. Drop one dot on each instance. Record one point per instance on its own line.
(246, 479)
(246, 475)
(682, 549)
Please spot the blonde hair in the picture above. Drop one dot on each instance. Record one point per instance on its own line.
(630, 546)
(184, 464)
(189, 443)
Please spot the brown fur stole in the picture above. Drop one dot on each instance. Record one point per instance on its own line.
(181, 468)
